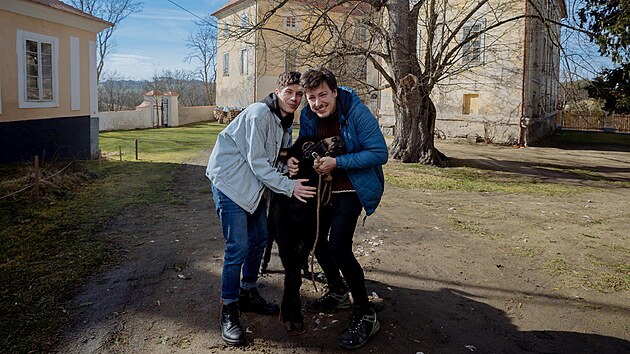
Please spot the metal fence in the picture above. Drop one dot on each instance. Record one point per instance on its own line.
(609, 122)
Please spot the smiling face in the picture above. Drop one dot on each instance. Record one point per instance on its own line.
(322, 100)
(289, 98)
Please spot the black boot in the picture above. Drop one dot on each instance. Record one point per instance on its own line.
(251, 301)
(231, 330)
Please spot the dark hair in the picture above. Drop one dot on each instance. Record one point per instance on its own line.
(287, 78)
(314, 77)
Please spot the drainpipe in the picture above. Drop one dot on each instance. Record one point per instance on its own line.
(256, 53)
(525, 70)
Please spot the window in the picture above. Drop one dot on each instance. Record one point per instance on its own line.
(226, 30)
(37, 70)
(290, 60)
(472, 49)
(471, 103)
(361, 34)
(244, 21)
(226, 64)
(244, 65)
(290, 22)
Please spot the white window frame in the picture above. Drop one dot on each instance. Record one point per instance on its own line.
(291, 23)
(244, 62)
(468, 58)
(21, 38)
(226, 64)
(244, 21)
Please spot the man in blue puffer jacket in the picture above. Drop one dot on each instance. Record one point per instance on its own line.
(358, 183)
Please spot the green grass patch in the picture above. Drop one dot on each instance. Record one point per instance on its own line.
(529, 252)
(160, 145)
(607, 277)
(469, 179)
(48, 244)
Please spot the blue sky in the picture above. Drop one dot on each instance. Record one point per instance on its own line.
(155, 39)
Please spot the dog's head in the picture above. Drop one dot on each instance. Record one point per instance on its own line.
(313, 149)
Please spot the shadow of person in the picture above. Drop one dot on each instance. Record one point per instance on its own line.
(451, 321)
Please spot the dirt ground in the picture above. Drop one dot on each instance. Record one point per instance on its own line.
(453, 272)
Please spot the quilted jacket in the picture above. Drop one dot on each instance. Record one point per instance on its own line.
(367, 150)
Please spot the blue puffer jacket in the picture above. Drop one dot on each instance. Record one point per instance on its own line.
(367, 150)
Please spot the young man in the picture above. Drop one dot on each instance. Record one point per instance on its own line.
(240, 168)
(358, 183)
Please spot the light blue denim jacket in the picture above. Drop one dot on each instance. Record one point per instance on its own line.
(243, 160)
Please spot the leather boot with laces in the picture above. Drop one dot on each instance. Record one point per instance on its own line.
(251, 301)
(231, 330)
(364, 324)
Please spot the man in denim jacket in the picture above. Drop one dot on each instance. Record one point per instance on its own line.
(357, 184)
(241, 167)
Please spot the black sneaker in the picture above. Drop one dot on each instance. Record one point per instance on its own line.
(363, 326)
(231, 330)
(251, 301)
(331, 301)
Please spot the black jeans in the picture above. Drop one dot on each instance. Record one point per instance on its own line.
(334, 254)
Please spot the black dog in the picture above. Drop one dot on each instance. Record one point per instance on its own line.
(293, 224)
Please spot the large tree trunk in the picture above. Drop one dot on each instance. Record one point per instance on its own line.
(415, 122)
(413, 108)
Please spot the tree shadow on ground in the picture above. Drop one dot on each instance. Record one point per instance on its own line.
(586, 140)
(553, 172)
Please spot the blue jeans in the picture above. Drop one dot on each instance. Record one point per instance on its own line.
(245, 240)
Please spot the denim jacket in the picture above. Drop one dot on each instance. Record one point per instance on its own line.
(243, 160)
(365, 144)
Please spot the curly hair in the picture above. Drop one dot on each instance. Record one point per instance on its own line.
(287, 78)
(314, 77)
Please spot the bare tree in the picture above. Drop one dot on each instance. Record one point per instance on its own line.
(416, 45)
(203, 46)
(191, 91)
(113, 11)
(117, 93)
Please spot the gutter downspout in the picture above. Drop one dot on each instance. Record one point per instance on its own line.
(256, 53)
(525, 70)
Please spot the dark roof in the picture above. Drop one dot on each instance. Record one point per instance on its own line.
(56, 4)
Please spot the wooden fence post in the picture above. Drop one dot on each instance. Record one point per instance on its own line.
(37, 175)
(120, 152)
(136, 149)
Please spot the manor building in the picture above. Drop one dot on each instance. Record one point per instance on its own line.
(506, 92)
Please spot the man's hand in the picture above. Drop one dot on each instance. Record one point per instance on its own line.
(325, 165)
(302, 192)
(292, 163)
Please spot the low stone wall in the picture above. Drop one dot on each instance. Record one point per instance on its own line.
(125, 120)
(141, 118)
(188, 115)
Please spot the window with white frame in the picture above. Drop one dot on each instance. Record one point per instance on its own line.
(244, 20)
(472, 49)
(244, 66)
(290, 60)
(361, 34)
(226, 29)
(226, 64)
(290, 22)
(37, 70)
